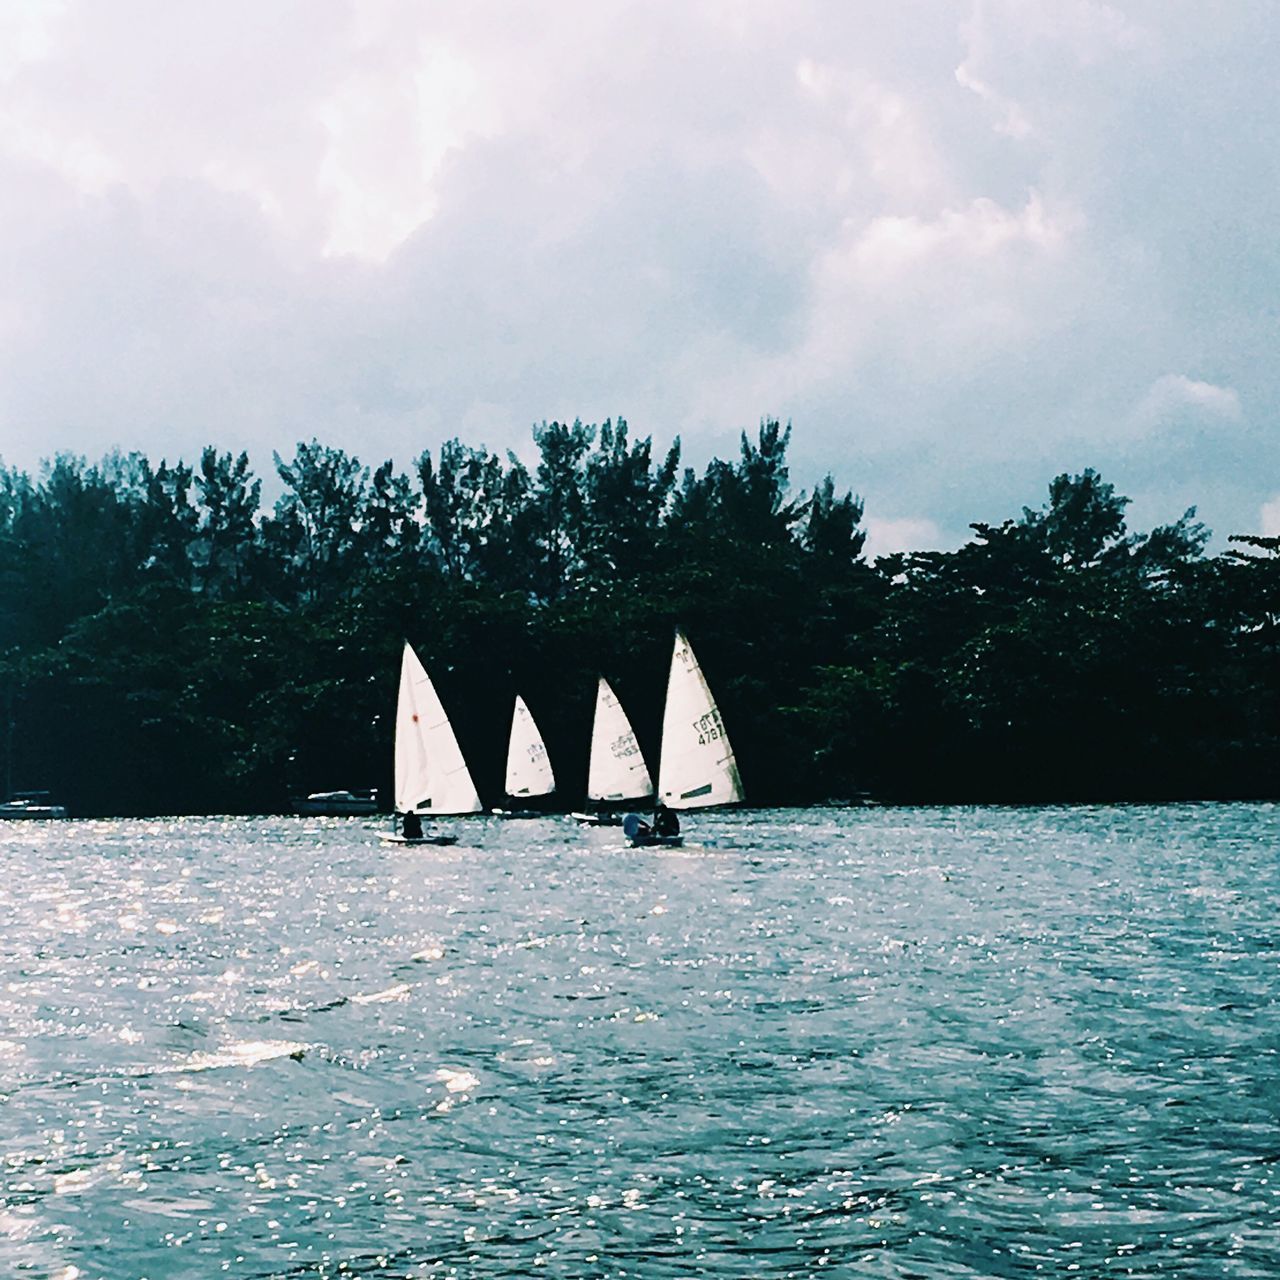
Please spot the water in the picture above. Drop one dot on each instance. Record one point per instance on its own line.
(899, 1043)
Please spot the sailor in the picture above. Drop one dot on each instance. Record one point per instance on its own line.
(412, 829)
(665, 822)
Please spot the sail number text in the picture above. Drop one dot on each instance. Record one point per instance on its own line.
(708, 727)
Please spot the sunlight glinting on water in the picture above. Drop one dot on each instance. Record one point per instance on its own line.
(886, 1043)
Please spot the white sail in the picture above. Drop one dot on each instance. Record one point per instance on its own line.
(431, 775)
(617, 770)
(698, 768)
(528, 765)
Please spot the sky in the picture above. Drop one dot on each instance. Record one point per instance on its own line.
(962, 245)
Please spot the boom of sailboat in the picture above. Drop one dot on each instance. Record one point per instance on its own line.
(697, 768)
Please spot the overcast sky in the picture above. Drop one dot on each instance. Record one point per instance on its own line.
(963, 245)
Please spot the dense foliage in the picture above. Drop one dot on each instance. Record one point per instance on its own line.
(167, 645)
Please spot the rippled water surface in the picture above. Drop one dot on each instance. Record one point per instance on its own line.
(897, 1042)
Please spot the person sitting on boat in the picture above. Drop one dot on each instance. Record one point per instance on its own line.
(412, 829)
(665, 822)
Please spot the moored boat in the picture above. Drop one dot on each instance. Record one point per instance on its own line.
(337, 803)
(31, 805)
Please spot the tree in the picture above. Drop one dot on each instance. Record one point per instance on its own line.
(745, 504)
(558, 507)
(75, 532)
(316, 524)
(832, 530)
(1055, 655)
(15, 495)
(624, 501)
(1083, 520)
(167, 522)
(388, 540)
(227, 529)
(474, 509)
(1171, 546)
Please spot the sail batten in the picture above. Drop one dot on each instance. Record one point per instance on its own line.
(698, 768)
(617, 770)
(529, 770)
(430, 771)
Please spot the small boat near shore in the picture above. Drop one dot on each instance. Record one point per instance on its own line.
(31, 805)
(337, 804)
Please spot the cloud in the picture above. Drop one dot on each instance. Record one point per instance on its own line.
(1012, 120)
(388, 135)
(905, 534)
(1015, 50)
(889, 246)
(25, 34)
(1269, 518)
(1174, 396)
(961, 246)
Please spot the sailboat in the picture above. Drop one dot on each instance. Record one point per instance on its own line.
(529, 772)
(431, 775)
(617, 771)
(698, 768)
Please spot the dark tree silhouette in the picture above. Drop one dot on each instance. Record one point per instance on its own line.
(211, 656)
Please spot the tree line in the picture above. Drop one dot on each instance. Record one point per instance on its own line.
(170, 644)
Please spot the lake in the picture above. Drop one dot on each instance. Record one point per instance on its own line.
(938, 1042)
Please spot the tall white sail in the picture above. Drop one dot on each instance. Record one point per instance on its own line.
(617, 770)
(698, 768)
(431, 775)
(528, 765)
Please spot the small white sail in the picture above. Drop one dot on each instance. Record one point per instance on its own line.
(698, 768)
(431, 775)
(528, 765)
(617, 770)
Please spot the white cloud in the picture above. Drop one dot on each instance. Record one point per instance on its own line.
(948, 241)
(887, 140)
(388, 134)
(1269, 518)
(905, 534)
(76, 156)
(1174, 395)
(26, 33)
(1028, 44)
(888, 246)
(1013, 120)
(920, 302)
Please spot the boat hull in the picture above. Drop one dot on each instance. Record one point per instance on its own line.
(598, 819)
(334, 809)
(31, 812)
(394, 837)
(335, 804)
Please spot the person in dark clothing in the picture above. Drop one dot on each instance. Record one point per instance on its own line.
(665, 822)
(412, 826)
